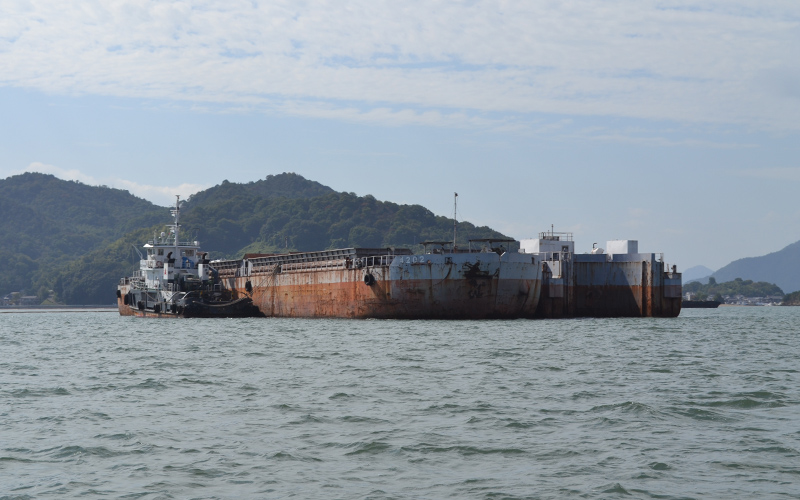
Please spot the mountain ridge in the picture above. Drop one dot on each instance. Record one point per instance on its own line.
(286, 185)
(696, 273)
(781, 268)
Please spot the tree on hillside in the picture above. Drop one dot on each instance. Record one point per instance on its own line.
(792, 299)
(745, 288)
(334, 220)
(48, 222)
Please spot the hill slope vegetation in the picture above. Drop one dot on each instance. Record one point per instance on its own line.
(84, 236)
(47, 222)
(738, 286)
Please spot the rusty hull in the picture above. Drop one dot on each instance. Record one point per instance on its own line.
(602, 286)
(429, 286)
(358, 283)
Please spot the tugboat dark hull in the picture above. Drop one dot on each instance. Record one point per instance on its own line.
(239, 308)
(242, 307)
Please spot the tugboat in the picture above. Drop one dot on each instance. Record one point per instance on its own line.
(175, 280)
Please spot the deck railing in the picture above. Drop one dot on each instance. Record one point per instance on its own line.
(349, 258)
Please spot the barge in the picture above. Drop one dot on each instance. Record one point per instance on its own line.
(389, 283)
(544, 278)
(617, 282)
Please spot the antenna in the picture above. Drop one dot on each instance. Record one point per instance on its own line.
(455, 219)
(176, 213)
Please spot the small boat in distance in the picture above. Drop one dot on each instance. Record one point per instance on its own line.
(175, 280)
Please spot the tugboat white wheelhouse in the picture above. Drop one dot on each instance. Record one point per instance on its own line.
(175, 280)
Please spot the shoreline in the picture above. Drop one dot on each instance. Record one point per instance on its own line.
(65, 309)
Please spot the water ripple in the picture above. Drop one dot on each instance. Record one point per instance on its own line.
(706, 405)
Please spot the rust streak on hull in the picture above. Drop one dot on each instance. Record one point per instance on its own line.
(343, 294)
(455, 286)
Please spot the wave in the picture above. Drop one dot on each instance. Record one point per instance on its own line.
(464, 450)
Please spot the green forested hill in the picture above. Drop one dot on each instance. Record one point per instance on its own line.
(82, 243)
(286, 185)
(738, 286)
(70, 208)
(46, 222)
(244, 222)
(792, 299)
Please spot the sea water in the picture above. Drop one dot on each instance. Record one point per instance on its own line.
(707, 405)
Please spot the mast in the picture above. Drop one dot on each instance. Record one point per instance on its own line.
(455, 218)
(175, 227)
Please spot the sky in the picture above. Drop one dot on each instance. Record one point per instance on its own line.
(674, 123)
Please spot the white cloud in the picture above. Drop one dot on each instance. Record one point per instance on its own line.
(160, 195)
(420, 62)
(67, 175)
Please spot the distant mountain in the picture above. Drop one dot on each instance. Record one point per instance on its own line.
(697, 273)
(781, 268)
(79, 240)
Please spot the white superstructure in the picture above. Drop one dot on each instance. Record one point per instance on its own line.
(170, 260)
(550, 245)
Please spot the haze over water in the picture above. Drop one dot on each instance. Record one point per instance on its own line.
(93, 405)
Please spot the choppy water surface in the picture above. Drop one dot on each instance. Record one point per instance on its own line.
(703, 406)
